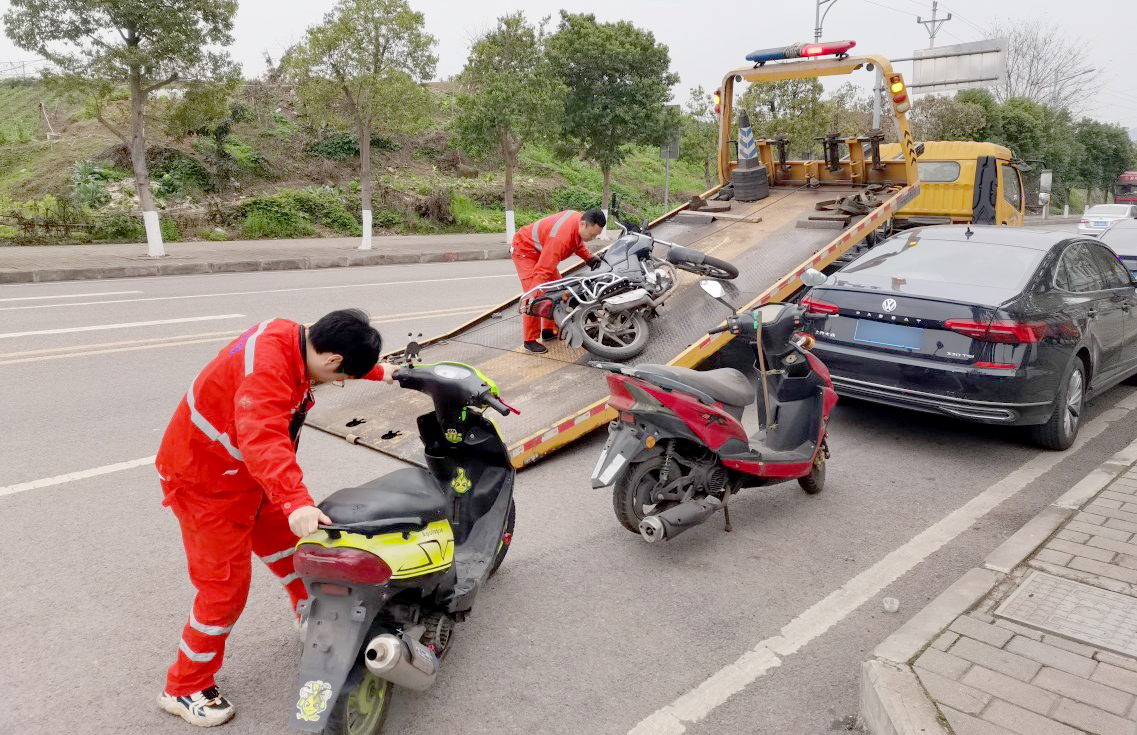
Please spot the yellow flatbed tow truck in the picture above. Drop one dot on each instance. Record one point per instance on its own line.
(772, 241)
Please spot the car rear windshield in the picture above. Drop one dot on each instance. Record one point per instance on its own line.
(968, 263)
(1121, 209)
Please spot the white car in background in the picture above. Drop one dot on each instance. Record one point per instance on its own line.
(1097, 218)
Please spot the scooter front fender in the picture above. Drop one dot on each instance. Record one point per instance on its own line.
(625, 443)
(337, 631)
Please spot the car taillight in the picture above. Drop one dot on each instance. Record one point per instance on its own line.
(1083, 221)
(817, 306)
(999, 330)
(340, 563)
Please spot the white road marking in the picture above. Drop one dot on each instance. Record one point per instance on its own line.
(59, 353)
(124, 325)
(255, 293)
(69, 296)
(768, 654)
(70, 476)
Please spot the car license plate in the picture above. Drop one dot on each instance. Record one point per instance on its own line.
(889, 335)
(1099, 223)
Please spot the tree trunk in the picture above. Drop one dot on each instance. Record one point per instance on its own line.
(155, 248)
(707, 172)
(509, 153)
(365, 181)
(607, 169)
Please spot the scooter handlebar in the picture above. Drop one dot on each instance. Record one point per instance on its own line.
(499, 405)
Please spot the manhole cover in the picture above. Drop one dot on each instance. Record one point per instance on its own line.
(1098, 617)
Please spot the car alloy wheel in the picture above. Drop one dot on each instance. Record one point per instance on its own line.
(1075, 397)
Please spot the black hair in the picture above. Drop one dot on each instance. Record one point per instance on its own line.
(594, 216)
(348, 333)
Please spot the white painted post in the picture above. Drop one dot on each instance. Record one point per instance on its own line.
(1066, 211)
(510, 227)
(604, 233)
(366, 244)
(154, 246)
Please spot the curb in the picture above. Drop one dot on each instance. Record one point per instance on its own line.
(893, 702)
(49, 275)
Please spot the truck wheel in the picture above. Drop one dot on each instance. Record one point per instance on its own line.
(614, 337)
(1061, 429)
(362, 709)
(631, 498)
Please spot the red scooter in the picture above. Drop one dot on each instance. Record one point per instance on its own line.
(678, 451)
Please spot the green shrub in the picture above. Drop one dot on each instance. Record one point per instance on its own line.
(119, 226)
(386, 218)
(297, 211)
(342, 144)
(575, 197)
(215, 234)
(170, 231)
(177, 174)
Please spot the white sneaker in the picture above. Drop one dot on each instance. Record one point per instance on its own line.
(206, 708)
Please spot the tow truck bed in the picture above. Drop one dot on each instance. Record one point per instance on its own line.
(559, 395)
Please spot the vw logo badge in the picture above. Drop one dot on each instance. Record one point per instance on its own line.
(889, 305)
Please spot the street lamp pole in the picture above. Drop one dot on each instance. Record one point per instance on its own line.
(819, 17)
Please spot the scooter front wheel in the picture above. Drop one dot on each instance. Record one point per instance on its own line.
(814, 482)
(362, 709)
(631, 497)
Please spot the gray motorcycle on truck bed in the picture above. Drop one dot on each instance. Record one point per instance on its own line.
(608, 309)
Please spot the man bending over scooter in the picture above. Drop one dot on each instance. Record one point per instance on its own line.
(228, 469)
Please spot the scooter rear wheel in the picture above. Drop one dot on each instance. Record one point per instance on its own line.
(814, 482)
(361, 710)
(631, 496)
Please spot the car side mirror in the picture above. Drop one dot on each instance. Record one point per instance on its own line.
(813, 277)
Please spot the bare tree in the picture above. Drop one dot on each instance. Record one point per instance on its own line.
(1045, 64)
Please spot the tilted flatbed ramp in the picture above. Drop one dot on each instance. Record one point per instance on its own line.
(559, 395)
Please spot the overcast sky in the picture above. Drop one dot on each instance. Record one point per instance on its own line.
(709, 38)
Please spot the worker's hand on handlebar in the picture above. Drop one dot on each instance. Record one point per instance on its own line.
(594, 262)
(388, 372)
(306, 520)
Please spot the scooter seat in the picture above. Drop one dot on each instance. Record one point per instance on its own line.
(410, 492)
(725, 384)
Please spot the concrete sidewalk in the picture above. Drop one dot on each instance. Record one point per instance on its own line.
(39, 263)
(1039, 640)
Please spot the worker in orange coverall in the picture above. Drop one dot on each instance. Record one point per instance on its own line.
(228, 469)
(539, 247)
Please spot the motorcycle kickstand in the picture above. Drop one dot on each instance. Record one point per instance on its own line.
(726, 517)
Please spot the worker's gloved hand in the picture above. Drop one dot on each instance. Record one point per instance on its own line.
(594, 262)
(306, 520)
(388, 372)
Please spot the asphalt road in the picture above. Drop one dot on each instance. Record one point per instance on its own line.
(586, 629)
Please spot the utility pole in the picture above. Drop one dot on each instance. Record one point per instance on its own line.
(819, 17)
(933, 25)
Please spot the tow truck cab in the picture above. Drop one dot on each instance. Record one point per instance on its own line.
(963, 182)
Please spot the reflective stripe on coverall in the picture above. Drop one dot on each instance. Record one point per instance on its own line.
(229, 472)
(538, 248)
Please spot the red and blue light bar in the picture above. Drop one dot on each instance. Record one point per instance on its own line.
(800, 51)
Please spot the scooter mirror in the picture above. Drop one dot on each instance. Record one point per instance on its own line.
(813, 277)
(714, 288)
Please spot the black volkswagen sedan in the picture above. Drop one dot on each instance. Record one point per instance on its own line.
(992, 324)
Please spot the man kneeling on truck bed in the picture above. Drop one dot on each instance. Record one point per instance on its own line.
(228, 470)
(539, 247)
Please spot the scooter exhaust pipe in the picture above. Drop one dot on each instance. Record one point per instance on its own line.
(674, 521)
(401, 661)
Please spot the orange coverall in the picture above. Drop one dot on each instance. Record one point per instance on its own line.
(228, 468)
(538, 248)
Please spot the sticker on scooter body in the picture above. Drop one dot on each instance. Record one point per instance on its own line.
(314, 696)
(461, 482)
